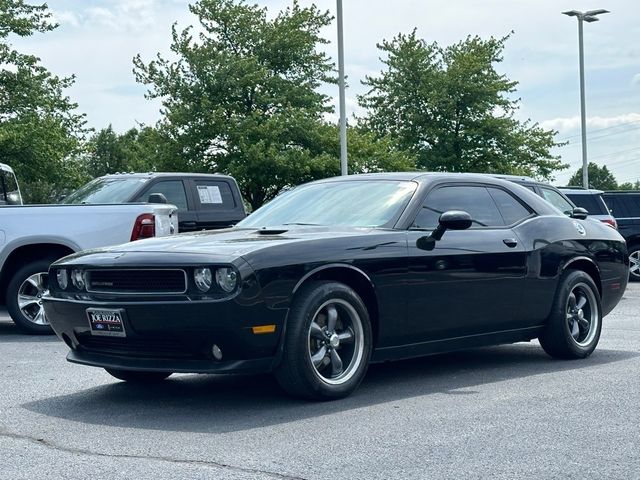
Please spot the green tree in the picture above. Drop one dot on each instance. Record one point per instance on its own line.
(599, 177)
(40, 132)
(630, 185)
(137, 150)
(243, 98)
(453, 110)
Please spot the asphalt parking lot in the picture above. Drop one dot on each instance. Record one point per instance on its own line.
(503, 412)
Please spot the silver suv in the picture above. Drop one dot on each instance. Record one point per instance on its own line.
(592, 201)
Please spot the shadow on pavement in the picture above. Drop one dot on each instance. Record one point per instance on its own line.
(9, 333)
(218, 404)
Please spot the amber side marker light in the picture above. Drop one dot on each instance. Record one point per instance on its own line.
(263, 329)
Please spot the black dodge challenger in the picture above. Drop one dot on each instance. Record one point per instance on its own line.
(336, 274)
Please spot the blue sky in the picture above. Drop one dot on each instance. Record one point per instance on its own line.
(97, 40)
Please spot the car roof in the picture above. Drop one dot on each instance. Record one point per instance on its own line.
(151, 175)
(425, 177)
(580, 191)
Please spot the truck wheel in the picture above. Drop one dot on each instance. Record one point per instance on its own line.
(24, 297)
(634, 263)
(327, 343)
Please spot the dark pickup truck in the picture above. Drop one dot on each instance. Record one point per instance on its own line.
(625, 207)
(204, 201)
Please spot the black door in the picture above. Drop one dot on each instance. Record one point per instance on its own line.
(472, 281)
(176, 193)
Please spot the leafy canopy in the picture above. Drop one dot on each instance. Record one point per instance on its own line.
(451, 108)
(600, 178)
(39, 128)
(242, 97)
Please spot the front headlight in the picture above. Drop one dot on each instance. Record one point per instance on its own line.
(77, 278)
(63, 278)
(203, 279)
(227, 279)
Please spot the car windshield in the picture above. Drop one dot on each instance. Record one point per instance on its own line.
(106, 190)
(357, 203)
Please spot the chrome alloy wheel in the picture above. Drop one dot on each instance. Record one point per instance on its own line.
(30, 298)
(583, 317)
(634, 264)
(336, 341)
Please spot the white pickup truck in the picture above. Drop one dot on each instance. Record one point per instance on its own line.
(33, 237)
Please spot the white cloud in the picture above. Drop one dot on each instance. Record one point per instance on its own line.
(572, 123)
(66, 18)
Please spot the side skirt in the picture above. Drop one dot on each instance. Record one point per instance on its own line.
(452, 344)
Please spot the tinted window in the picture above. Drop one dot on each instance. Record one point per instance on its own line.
(512, 210)
(474, 200)
(623, 205)
(593, 203)
(172, 189)
(214, 195)
(557, 200)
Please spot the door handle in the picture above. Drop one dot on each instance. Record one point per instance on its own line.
(510, 242)
(188, 224)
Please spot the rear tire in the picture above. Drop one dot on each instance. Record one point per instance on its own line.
(136, 376)
(574, 326)
(634, 263)
(24, 302)
(327, 343)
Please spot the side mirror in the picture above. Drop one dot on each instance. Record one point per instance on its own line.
(157, 198)
(579, 213)
(451, 220)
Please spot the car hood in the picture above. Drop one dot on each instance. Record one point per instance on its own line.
(235, 242)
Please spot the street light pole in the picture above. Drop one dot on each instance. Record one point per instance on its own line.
(341, 86)
(582, 17)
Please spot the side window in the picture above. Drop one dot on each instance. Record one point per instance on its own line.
(172, 189)
(214, 195)
(512, 210)
(557, 200)
(474, 200)
(632, 204)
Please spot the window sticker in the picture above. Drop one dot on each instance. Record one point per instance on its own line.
(209, 194)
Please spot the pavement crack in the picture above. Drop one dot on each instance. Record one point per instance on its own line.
(206, 463)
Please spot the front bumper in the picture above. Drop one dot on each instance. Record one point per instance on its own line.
(175, 336)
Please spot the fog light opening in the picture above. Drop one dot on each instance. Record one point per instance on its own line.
(216, 352)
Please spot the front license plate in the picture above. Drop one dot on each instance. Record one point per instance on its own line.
(106, 322)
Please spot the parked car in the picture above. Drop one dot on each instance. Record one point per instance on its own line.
(625, 207)
(338, 273)
(205, 202)
(592, 201)
(33, 237)
(9, 189)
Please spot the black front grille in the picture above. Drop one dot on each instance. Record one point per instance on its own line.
(139, 347)
(137, 281)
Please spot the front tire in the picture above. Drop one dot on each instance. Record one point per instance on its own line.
(24, 297)
(574, 326)
(136, 376)
(327, 343)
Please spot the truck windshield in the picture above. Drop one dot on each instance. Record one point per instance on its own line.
(357, 203)
(106, 190)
